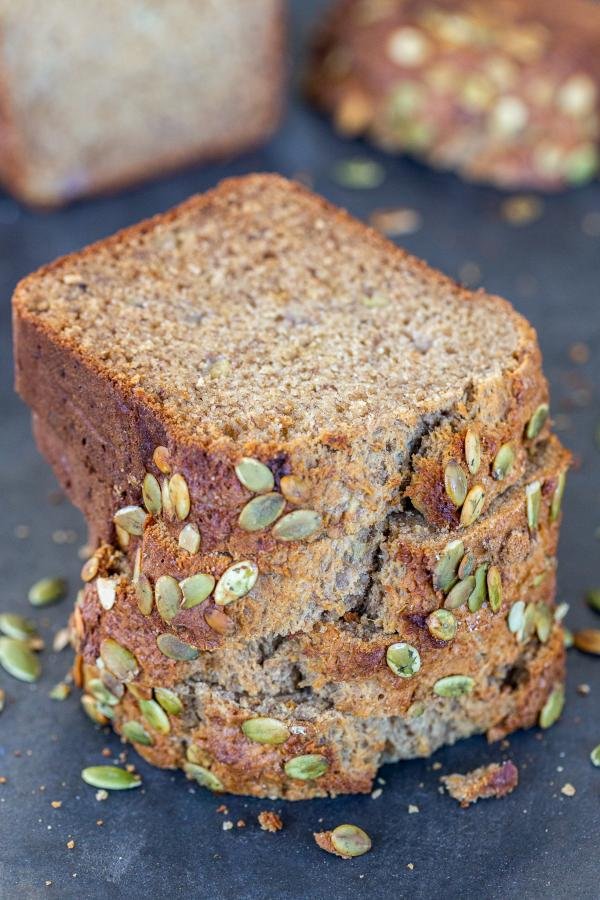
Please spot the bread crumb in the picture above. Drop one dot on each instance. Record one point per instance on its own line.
(522, 209)
(410, 866)
(376, 793)
(495, 780)
(227, 825)
(240, 823)
(579, 353)
(396, 222)
(222, 809)
(99, 821)
(71, 844)
(436, 766)
(56, 804)
(568, 790)
(101, 794)
(583, 689)
(413, 808)
(106, 752)
(270, 821)
(3, 779)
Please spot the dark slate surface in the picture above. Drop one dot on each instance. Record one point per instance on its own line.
(166, 841)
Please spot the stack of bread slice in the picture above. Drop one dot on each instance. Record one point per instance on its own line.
(320, 483)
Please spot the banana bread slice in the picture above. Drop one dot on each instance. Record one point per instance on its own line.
(96, 95)
(502, 92)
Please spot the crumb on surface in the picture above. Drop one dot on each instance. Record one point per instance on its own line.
(568, 790)
(377, 793)
(71, 844)
(323, 840)
(413, 808)
(270, 821)
(227, 825)
(56, 804)
(494, 780)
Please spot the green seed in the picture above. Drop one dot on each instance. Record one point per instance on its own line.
(453, 686)
(136, 733)
(593, 599)
(444, 575)
(60, 691)
(155, 716)
(543, 622)
(473, 451)
(180, 496)
(503, 462)
(494, 586)
(350, 840)
(16, 626)
(261, 512)
(169, 701)
(189, 538)
(467, 564)
(145, 595)
(460, 593)
(415, 710)
(552, 708)
(595, 756)
(107, 592)
(568, 638)
(442, 625)
(204, 777)
(533, 493)
(113, 684)
(537, 421)
(557, 497)
(254, 475)
(47, 591)
(110, 778)
(297, 525)
(561, 611)
(236, 582)
(195, 754)
(266, 731)
(307, 767)
(100, 692)
(131, 519)
(528, 625)
(358, 173)
(168, 597)
(118, 660)
(18, 660)
(167, 503)
(151, 494)
(516, 616)
(472, 506)
(455, 482)
(479, 594)
(96, 712)
(171, 646)
(403, 659)
(581, 164)
(196, 589)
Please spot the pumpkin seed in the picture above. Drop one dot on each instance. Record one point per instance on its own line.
(167, 503)
(100, 692)
(112, 683)
(297, 525)
(350, 840)
(254, 475)
(219, 621)
(593, 599)
(47, 591)
(189, 538)
(455, 482)
(472, 506)
(494, 586)
(453, 686)
(155, 716)
(174, 648)
(169, 701)
(442, 625)
(168, 597)
(236, 582)
(581, 164)
(528, 625)
(552, 708)
(460, 593)
(162, 461)
(444, 575)
(123, 538)
(294, 489)
(96, 712)
(467, 564)
(196, 589)
(403, 659)
(180, 496)
(131, 519)
(15, 626)
(415, 710)
(195, 754)
(537, 421)
(145, 595)
(264, 730)
(473, 451)
(561, 611)
(204, 777)
(118, 660)
(107, 592)
(307, 767)
(568, 638)
(503, 462)
(110, 778)
(533, 493)
(137, 566)
(557, 497)
(587, 640)
(60, 691)
(261, 512)
(595, 756)
(358, 173)
(18, 660)
(90, 568)
(516, 616)
(136, 733)
(543, 622)
(151, 494)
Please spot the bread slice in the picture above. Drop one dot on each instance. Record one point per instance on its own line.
(96, 95)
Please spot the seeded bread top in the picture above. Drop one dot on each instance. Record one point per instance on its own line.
(258, 312)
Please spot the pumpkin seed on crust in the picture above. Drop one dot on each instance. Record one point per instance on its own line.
(297, 525)
(455, 483)
(453, 686)
(503, 462)
(472, 506)
(473, 451)
(235, 582)
(119, 660)
(189, 538)
(162, 461)
(136, 733)
(151, 494)
(494, 586)
(168, 597)
(265, 730)
(442, 625)
(533, 494)
(261, 511)
(557, 497)
(131, 519)
(180, 496)
(196, 589)
(169, 701)
(403, 659)
(145, 595)
(306, 767)
(460, 593)
(155, 716)
(294, 489)
(174, 648)
(203, 776)
(254, 475)
(444, 574)
(537, 421)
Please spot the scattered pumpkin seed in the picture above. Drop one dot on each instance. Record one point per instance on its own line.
(460, 593)
(204, 777)
(264, 730)
(219, 621)
(442, 625)
(151, 494)
(593, 599)
(136, 733)
(494, 586)
(568, 638)
(537, 421)
(297, 525)
(174, 648)
(261, 511)
(350, 840)
(167, 503)
(100, 692)
(472, 506)
(552, 708)
(254, 475)
(169, 701)
(107, 592)
(595, 756)
(180, 496)
(516, 616)
(18, 660)
(189, 538)
(306, 767)
(155, 716)
(110, 778)
(455, 482)
(196, 589)
(587, 640)
(90, 568)
(168, 597)
(145, 595)
(403, 659)
(294, 489)
(60, 691)
(504, 461)
(472, 450)
(467, 564)
(131, 519)
(444, 575)
(561, 611)
(98, 714)
(15, 626)
(236, 582)
(453, 686)
(118, 660)
(543, 622)
(358, 173)
(557, 497)
(162, 460)
(47, 591)
(533, 493)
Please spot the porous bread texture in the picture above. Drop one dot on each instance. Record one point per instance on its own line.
(99, 94)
